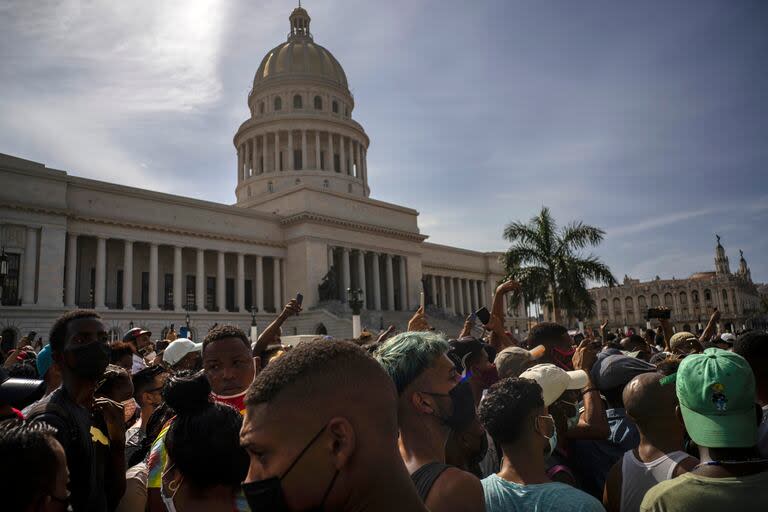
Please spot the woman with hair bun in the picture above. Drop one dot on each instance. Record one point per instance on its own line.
(205, 465)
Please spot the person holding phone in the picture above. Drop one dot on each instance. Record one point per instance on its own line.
(271, 335)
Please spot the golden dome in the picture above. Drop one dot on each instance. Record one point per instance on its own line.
(300, 57)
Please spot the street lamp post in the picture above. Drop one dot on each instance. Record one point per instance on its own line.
(254, 329)
(3, 272)
(355, 301)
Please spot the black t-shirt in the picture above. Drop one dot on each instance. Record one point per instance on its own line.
(83, 434)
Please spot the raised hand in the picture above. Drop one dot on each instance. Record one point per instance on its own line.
(418, 321)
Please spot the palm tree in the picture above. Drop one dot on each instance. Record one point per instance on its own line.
(548, 264)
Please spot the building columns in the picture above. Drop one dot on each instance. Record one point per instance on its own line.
(71, 278)
(473, 290)
(264, 153)
(178, 305)
(30, 267)
(221, 280)
(432, 290)
(452, 291)
(277, 152)
(376, 281)
(331, 157)
(152, 277)
(276, 284)
(460, 296)
(200, 279)
(345, 274)
(304, 162)
(259, 283)
(468, 296)
(128, 275)
(403, 285)
(361, 276)
(291, 163)
(444, 303)
(343, 156)
(318, 164)
(240, 283)
(390, 282)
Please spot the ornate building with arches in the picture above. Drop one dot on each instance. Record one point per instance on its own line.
(303, 216)
(692, 300)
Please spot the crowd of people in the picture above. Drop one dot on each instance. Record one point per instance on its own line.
(413, 420)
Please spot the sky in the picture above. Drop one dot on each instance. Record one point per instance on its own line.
(648, 119)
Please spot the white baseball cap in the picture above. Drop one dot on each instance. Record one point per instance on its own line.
(554, 380)
(178, 348)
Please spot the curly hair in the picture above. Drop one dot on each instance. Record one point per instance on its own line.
(506, 407)
(120, 349)
(546, 333)
(407, 355)
(225, 331)
(752, 346)
(58, 335)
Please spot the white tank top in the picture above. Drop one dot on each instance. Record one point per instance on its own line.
(638, 477)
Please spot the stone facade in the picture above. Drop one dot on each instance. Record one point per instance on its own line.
(691, 300)
(303, 206)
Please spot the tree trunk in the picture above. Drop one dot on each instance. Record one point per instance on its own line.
(553, 291)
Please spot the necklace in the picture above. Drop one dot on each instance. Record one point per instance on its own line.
(729, 462)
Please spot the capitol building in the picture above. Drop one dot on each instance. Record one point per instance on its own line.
(303, 216)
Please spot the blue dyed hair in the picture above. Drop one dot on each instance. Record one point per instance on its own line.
(406, 356)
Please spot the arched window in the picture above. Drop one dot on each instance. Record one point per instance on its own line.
(668, 300)
(655, 301)
(629, 304)
(707, 296)
(318, 103)
(616, 307)
(695, 296)
(297, 102)
(261, 107)
(641, 302)
(604, 308)
(335, 107)
(278, 103)
(683, 299)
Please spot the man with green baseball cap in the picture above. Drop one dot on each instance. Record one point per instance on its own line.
(716, 391)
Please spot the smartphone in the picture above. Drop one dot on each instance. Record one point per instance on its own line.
(299, 298)
(483, 315)
(421, 300)
(172, 327)
(658, 313)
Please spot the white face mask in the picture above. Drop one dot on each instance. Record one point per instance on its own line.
(173, 487)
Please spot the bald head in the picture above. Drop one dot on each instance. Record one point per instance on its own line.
(646, 400)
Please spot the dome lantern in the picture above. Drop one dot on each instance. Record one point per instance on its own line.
(299, 19)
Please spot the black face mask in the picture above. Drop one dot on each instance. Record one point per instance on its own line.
(463, 406)
(267, 495)
(91, 360)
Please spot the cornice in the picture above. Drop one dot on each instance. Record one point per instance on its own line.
(454, 268)
(357, 226)
(159, 228)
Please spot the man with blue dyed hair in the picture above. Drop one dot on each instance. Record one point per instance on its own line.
(431, 402)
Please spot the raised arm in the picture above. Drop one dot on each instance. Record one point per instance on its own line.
(469, 323)
(706, 336)
(666, 327)
(593, 424)
(272, 332)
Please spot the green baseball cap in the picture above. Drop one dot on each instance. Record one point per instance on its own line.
(716, 390)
